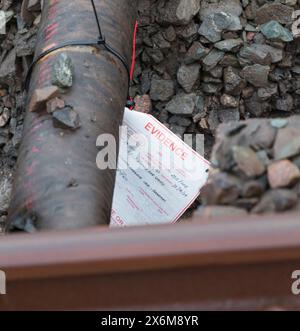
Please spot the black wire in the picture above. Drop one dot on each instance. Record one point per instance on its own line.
(106, 46)
(120, 57)
(97, 20)
(53, 49)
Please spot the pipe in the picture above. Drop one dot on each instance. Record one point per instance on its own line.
(58, 184)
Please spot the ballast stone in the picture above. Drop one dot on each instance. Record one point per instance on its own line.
(161, 89)
(188, 75)
(274, 11)
(262, 54)
(179, 12)
(209, 7)
(257, 75)
(182, 104)
(66, 118)
(274, 31)
(283, 174)
(213, 25)
(41, 96)
(62, 71)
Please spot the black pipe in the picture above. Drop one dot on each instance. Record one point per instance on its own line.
(58, 184)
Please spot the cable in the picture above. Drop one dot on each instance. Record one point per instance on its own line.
(106, 46)
(120, 57)
(49, 51)
(97, 20)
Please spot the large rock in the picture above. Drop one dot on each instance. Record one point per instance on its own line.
(248, 161)
(262, 54)
(275, 31)
(41, 96)
(8, 67)
(143, 104)
(182, 104)
(229, 45)
(276, 201)
(212, 59)
(264, 93)
(257, 74)
(274, 11)
(282, 174)
(222, 189)
(254, 133)
(66, 118)
(5, 192)
(234, 84)
(187, 76)
(161, 89)
(179, 11)
(254, 188)
(209, 7)
(214, 24)
(287, 143)
(227, 115)
(195, 53)
(256, 107)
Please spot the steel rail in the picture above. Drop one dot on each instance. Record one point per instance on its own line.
(240, 264)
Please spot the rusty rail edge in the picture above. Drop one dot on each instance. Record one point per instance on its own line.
(243, 264)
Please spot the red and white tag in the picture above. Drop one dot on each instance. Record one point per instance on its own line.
(158, 177)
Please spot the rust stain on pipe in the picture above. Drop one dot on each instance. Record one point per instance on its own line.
(50, 158)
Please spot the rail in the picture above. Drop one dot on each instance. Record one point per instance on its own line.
(224, 264)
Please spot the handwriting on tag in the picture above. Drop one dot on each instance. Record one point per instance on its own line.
(158, 177)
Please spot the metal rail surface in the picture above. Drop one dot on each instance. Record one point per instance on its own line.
(217, 264)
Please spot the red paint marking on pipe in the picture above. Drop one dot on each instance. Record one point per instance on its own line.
(51, 29)
(44, 72)
(52, 26)
(41, 72)
(42, 78)
(30, 169)
(44, 67)
(35, 150)
(133, 50)
(133, 56)
(29, 203)
(28, 185)
(35, 127)
(50, 35)
(30, 197)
